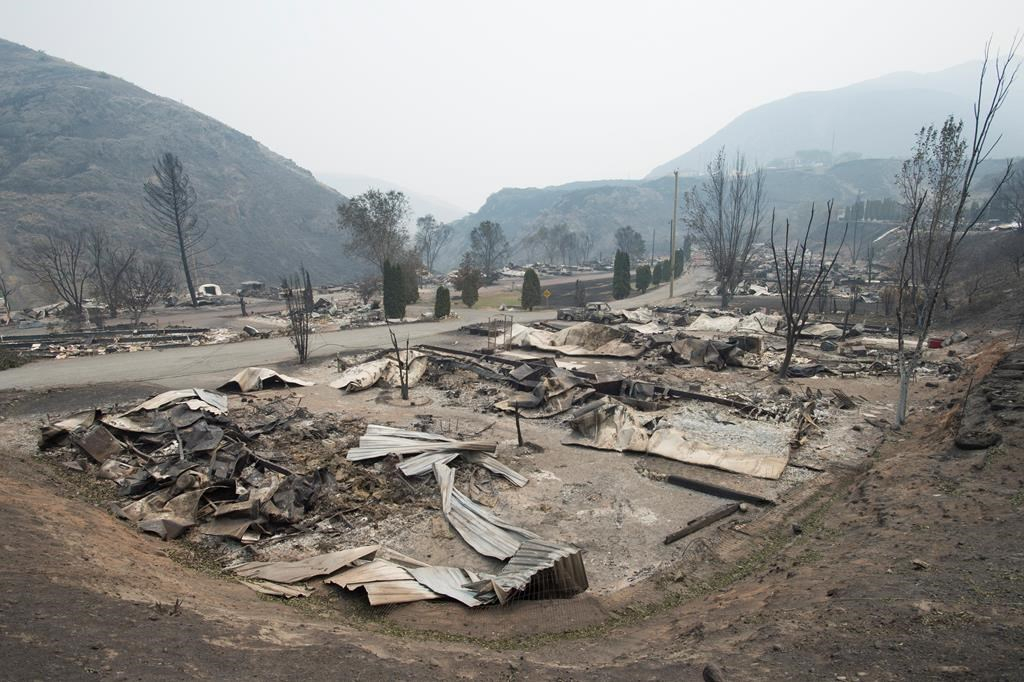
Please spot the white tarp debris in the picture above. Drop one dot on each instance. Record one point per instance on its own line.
(822, 330)
(692, 434)
(751, 324)
(258, 378)
(648, 329)
(584, 338)
(607, 424)
(640, 315)
(361, 377)
(744, 447)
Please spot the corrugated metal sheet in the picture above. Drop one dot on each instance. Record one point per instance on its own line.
(277, 589)
(493, 465)
(397, 592)
(380, 441)
(207, 400)
(304, 569)
(373, 571)
(540, 567)
(384, 582)
(481, 529)
(422, 464)
(450, 582)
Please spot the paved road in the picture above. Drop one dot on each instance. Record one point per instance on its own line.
(209, 365)
(190, 366)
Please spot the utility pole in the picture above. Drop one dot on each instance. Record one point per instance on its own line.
(653, 228)
(672, 240)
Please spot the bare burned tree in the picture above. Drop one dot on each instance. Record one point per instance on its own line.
(61, 262)
(431, 237)
(585, 245)
(800, 276)
(375, 224)
(630, 242)
(546, 239)
(488, 249)
(110, 263)
(403, 365)
(367, 287)
(856, 241)
(300, 315)
(1014, 193)
(936, 187)
(145, 282)
(172, 213)
(725, 214)
(7, 290)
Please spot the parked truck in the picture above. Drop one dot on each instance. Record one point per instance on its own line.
(591, 312)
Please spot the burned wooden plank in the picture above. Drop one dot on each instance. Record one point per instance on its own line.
(717, 490)
(703, 521)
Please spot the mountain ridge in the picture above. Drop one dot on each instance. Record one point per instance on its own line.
(875, 118)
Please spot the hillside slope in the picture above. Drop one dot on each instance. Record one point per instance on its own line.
(601, 208)
(876, 119)
(77, 145)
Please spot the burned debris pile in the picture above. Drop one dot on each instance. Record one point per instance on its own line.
(126, 339)
(183, 459)
(185, 463)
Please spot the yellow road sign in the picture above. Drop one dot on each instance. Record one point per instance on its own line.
(547, 293)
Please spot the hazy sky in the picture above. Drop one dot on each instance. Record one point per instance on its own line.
(459, 99)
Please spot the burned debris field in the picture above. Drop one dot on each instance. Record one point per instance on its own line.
(541, 485)
(566, 468)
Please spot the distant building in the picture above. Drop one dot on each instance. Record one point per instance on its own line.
(251, 288)
(210, 290)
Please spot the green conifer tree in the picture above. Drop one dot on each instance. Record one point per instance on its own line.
(442, 303)
(643, 278)
(531, 295)
(620, 276)
(394, 291)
